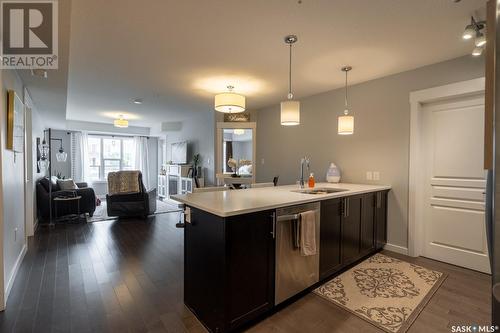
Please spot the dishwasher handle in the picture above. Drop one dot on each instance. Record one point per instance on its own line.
(296, 233)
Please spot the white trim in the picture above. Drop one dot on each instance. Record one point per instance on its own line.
(12, 277)
(396, 248)
(415, 189)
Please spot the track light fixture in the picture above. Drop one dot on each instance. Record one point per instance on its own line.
(474, 30)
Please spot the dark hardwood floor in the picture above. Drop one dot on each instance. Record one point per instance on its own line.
(127, 277)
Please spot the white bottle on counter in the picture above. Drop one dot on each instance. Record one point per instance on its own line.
(333, 174)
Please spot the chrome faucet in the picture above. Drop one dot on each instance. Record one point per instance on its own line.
(303, 161)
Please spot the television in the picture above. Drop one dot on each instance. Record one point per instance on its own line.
(179, 152)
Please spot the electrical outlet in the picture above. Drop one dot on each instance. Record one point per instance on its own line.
(369, 175)
(376, 175)
(15, 234)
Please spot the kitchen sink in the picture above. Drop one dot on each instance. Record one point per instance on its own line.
(320, 190)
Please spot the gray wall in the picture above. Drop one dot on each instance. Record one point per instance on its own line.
(380, 141)
(199, 132)
(12, 187)
(63, 167)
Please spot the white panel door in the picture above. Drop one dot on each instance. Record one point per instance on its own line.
(454, 227)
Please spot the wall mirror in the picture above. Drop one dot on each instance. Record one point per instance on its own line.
(236, 153)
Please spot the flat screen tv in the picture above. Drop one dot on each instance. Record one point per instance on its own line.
(179, 152)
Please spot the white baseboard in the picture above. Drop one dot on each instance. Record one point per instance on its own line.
(12, 277)
(396, 248)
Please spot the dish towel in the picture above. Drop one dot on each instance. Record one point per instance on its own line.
(308, 233)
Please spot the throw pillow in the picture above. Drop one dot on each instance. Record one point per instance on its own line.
(66, 184)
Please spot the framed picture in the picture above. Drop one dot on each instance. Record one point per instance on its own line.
(15, 122)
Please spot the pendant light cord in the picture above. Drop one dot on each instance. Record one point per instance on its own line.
(290, 96)
(346, 90)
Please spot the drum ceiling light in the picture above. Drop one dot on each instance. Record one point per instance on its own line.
(229, 102)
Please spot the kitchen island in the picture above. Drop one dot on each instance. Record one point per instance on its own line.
(242, 252)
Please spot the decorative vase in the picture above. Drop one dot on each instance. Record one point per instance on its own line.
(333, 174)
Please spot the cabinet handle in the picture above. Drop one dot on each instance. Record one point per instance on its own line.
(273, 232)
(348, 206)
(345, 207)
(379, 199)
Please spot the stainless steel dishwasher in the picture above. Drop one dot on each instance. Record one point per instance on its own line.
(294, 272)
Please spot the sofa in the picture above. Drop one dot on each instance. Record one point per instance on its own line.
(87, 202)
(127, 196)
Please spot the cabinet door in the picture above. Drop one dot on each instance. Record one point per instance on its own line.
(204, 271)
(368, 223)
(250, 262)
(330, 226)
(381, 219)
(351, 227)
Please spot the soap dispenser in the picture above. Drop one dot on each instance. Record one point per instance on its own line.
(333, 174)
(311, 180)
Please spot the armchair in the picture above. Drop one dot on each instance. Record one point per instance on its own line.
(127, 195)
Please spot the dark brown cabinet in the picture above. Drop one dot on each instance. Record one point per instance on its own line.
(330, 232)
(380, 219)
(228, 268)
(367, 238)
(351, 227)
(250, 259)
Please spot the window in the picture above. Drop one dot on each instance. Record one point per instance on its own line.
(109, 154)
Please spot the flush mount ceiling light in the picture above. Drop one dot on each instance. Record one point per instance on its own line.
(239, 131)
(290, 109)
(229, 102)
(346, 120)
(474, 30)
(137, 100)
(120, 122)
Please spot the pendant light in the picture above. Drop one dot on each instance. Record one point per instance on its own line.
(346, 121)
(290, 109)
(44, 149)
(61, 155)
(229, 102)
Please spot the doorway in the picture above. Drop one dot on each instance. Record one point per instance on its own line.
(447, 186)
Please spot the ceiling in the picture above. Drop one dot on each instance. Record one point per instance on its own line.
(176, 55)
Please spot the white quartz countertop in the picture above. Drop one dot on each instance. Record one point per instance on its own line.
(237, 202)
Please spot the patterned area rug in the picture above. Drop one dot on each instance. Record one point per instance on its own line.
(387, 292)
(101, 213)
